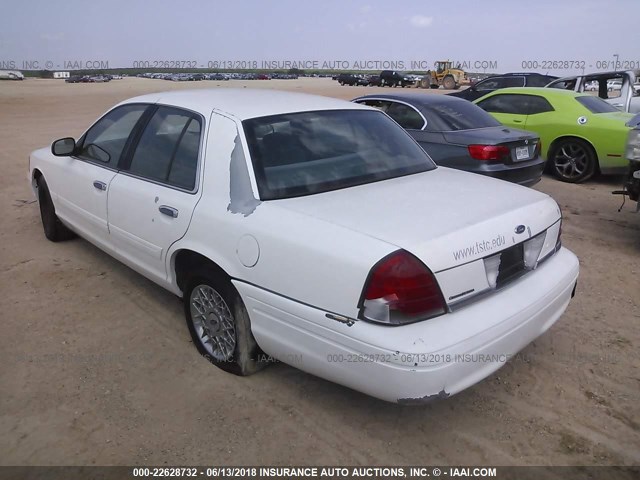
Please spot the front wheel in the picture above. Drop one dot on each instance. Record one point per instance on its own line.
(219, 324)
(54, 229)
(573, 160)
(449, 83)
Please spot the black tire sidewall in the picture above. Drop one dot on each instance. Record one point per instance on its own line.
(47, 211)
(591, 156)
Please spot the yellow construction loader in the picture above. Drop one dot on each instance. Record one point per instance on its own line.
(450, 78)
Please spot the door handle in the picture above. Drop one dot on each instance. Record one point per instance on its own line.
(168, 211)
(517, 121)
(100, 185)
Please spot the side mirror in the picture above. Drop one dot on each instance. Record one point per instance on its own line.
(63, 147)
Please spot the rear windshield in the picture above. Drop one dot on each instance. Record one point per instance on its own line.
(596, 104)
(304, 153)
(461, 115)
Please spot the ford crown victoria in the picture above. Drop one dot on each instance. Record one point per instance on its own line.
(314, 231)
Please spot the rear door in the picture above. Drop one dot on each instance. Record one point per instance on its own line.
(152, 199)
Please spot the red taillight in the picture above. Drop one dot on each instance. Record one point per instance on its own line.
(538, 148)
(489, 152)
(401, 289)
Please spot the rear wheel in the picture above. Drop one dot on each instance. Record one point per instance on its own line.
(219, 324)
(54, 229)
(573, 160)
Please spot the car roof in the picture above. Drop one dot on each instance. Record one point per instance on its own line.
(415, 99)
(245, 103)
(619, 74)
(542, 91)
(526, 74)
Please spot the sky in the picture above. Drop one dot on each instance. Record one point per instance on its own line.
(555, 36)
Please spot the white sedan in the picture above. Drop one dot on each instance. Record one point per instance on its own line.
(316, 232)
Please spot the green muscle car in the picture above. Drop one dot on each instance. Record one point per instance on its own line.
(581, 134)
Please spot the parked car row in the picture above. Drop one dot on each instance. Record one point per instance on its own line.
(91, 78)
(190, 77)
(340, 247)
(386, 78)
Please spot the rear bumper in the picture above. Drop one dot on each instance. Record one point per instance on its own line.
(415, 363)
(527, 174)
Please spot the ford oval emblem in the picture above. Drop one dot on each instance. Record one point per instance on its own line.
(520, 228)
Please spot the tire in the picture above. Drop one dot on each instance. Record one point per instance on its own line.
(341, 83)
(573, 160)
(54, 229)
(233, 348)
(449, 83)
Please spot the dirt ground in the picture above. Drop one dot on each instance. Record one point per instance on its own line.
(97, 366)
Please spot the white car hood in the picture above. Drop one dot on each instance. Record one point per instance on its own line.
(445, 217)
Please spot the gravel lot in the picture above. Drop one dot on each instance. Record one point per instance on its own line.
(97, 366)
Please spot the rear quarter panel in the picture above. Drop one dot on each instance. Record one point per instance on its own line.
(300, 257)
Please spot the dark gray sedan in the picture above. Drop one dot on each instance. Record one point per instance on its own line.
(459, 134)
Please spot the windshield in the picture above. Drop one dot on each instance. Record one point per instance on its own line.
(596, 104)
(461, 115)
(304, 153)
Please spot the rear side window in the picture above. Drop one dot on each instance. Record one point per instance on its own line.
(538, 81)
(105, 140)
(538, 105)
(596, 105)
(406, 116)
(461, 115)
(512, 82)
(168, 148)
(505, 103)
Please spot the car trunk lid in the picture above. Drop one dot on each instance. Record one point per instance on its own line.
(445, 217)
(521, 145)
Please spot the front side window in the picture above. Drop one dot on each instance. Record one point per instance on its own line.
(489, 84)
(505, 103)
(379, 104)
(105, 140)
(305, 153)
(168, 148)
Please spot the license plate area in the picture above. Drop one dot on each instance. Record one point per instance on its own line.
(522, 153)
(511, 264)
